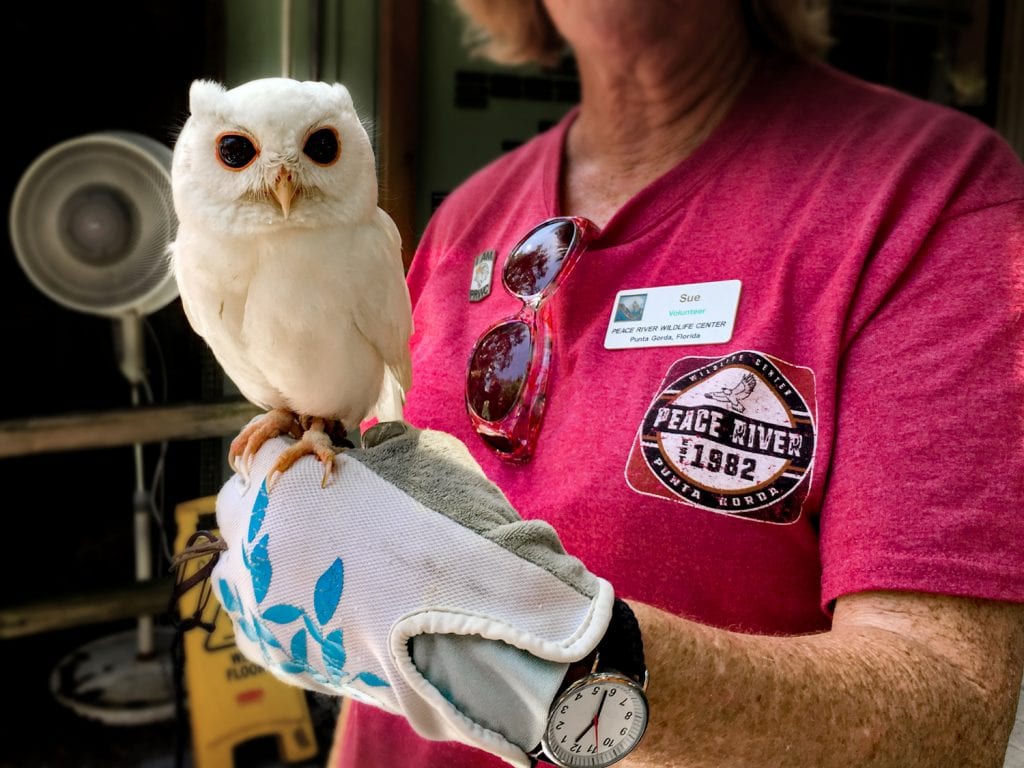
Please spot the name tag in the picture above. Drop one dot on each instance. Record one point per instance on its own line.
(674, 315)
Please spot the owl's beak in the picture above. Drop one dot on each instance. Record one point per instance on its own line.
(284, 190)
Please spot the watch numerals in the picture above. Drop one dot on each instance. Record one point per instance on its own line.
(598, 722)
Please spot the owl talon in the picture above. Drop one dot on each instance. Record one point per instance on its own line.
(247, 459)
(241, 469)
(272, 478)
(313, 441)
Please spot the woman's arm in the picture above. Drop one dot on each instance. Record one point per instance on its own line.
(901, 680)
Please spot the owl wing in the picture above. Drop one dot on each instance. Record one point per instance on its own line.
(384, 313)
(193, 317)
(215, 310)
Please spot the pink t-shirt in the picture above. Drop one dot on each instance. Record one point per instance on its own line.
(860, 428)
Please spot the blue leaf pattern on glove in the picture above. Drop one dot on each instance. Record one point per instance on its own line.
(282, 614)
(371, 679)
(246, 627)
(260, 568)
(266, 637)
(228, 599)
(328, 591)
(259, 510)
(334, 653)
(293, 667)
(298, 647)
(326, 598)
(314, 631)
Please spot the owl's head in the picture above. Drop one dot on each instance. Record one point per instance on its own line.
(272, 153)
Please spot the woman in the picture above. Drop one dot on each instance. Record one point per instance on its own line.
(795, 465)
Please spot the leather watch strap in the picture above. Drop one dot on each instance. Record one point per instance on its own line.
(622, 647)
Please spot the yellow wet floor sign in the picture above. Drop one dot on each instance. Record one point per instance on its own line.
(230, 699)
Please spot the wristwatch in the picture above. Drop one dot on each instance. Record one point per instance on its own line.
(600, 712)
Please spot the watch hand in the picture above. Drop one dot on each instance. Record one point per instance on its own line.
(597, 717)
(584, 733)
(593, 722)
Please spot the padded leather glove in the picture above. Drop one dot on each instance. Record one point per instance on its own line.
(330, 588)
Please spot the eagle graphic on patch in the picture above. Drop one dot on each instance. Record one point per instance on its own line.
(733, 395)
(734, 435)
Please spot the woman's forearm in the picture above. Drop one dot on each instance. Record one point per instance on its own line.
(900, 680)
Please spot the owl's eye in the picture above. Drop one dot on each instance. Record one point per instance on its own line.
(235, 150)
(322, 146)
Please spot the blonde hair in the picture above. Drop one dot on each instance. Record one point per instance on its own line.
(520, 32)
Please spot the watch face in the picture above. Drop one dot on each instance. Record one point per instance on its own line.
(596, 721)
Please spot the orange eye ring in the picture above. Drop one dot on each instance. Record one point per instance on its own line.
(236, 151)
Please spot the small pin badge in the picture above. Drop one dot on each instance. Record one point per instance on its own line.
(483, 270)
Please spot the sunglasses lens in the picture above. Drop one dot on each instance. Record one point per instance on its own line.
(497, 370)
(536, 261)
(500, 443)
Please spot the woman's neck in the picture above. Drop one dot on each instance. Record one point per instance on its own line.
(643, 113)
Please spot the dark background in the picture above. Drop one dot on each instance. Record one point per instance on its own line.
(86, 67)
(76, 68)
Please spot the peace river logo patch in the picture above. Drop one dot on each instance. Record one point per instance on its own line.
(733, 435)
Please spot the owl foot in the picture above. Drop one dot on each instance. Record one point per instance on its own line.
(243, 448)
(318, 439)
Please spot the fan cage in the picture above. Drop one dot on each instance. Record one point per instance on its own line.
(124, 171)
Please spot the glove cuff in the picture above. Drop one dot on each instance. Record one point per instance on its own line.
(434, 716)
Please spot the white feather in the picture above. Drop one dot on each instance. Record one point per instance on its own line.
(308, 312)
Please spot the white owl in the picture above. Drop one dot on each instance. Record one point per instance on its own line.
(285, 264)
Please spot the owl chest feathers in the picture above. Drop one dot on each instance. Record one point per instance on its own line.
(277, 310)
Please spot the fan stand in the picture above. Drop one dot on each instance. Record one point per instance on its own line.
(126, 678)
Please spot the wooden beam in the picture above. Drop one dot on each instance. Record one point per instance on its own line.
(150, 598)
(398, 71)
(105, 429)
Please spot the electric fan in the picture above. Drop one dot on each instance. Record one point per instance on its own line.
(90, 222)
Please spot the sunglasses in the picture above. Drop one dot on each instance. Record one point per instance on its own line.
(510, 362)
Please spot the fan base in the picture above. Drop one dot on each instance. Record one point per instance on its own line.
(106, 680)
